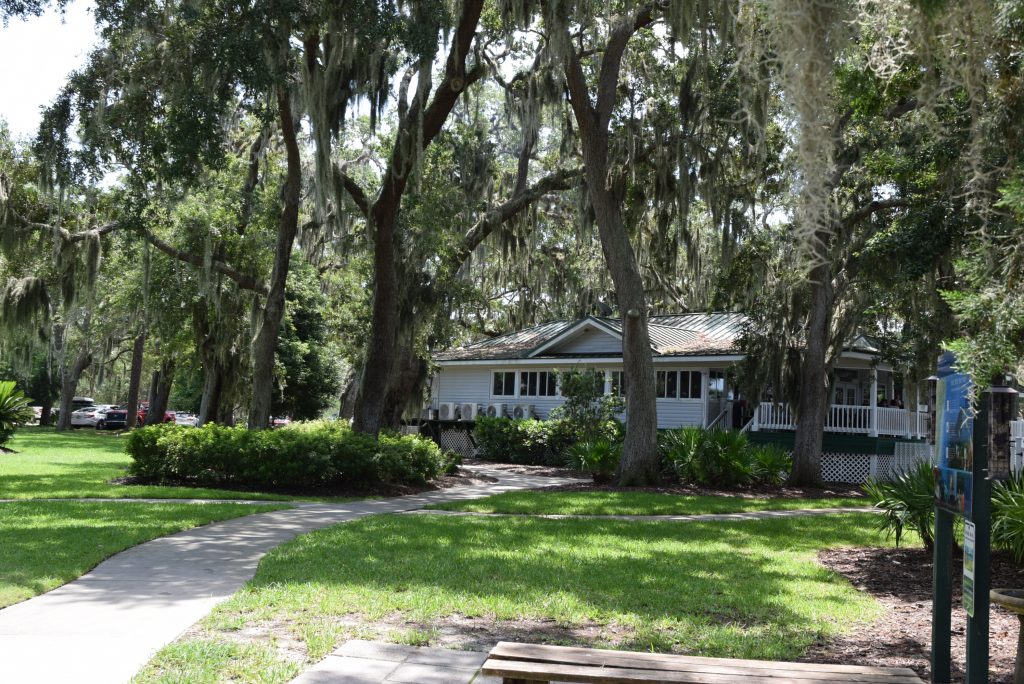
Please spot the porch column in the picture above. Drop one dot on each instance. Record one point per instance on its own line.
(874, 403)
(917, 405)
(607, 383)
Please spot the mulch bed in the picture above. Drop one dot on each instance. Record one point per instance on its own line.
(901, 580)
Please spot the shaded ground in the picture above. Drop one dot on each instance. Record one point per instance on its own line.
(901, 579)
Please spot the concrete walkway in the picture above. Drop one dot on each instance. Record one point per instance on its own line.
(103, 627)
(693, 517)
(370, 662)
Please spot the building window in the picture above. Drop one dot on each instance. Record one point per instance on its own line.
(504, 384)
(537, 384)
(678, 384)
(618, 384)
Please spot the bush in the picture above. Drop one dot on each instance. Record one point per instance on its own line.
(908, 501)
(14, 410)
(772, 464)
(1008, 516)
(711, 458)
(600, 458)
(301, 456)
(528, 442)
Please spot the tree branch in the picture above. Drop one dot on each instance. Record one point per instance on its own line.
(355, 191)
(245, 282)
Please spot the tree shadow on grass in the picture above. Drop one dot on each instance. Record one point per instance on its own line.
(744, 589)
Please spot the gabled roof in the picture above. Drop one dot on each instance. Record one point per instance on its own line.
(692, 334)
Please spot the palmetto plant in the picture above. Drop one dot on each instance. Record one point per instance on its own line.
(907, 501)
(14, 410)
(1008, 516)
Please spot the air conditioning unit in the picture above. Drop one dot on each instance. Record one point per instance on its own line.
(470, 411)
(523, 411)
(447, 411)
(496, 411)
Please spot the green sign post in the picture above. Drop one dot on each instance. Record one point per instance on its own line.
(969, 451)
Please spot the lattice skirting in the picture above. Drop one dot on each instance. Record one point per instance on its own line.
(457, 439)
(857, 468)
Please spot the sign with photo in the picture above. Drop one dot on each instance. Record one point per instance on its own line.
(954, 438)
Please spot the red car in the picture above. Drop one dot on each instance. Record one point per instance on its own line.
(169, 416)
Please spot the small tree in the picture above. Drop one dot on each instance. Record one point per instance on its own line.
(587, 409)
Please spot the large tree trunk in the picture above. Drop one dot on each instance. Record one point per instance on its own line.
(68, 385)
(213, 385)
(135, 379)
(160, 392)
(264, 345)
(813, 401)
(639, 463)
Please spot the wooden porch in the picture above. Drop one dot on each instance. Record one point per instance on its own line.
(874, 421)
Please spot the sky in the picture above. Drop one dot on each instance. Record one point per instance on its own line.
(37, 55)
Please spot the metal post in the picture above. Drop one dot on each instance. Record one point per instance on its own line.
(874, 403)
(981, 509)
(942, 596)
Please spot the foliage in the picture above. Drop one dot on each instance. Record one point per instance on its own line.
(721, 458)
(1008, 516)
(535, 442)
(307, 456)
(906, 502)
(599, 457)
(586, 409)
(14, 410)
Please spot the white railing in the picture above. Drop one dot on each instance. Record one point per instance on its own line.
(1016, 446)
(891, 422)
(848, 419)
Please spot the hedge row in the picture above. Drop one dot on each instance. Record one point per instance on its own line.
(309, 456)
(533, 442)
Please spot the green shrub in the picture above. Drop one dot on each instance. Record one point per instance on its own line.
(711, 458)
(301, 456)
(529, 442)
(14, 410)
(771, 464)
(1008, 516)
(599, 457)
(906, 502)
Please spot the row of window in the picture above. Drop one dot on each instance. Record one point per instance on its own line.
(668, 384)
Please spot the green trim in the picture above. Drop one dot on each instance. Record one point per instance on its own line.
(836, 443)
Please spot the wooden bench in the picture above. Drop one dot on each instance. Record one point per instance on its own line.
(526, 663)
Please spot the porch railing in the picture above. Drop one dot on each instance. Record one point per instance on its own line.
(890, 422)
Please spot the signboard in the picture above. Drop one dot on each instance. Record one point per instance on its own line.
(954, 438)
(969, 547)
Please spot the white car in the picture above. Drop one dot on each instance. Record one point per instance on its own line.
(89, 416)
(187, 419)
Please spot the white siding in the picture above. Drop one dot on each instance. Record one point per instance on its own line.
(473, 384)
(589, 341)
(673, 413)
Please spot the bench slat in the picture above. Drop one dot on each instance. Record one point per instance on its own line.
(664, 661)
(546, 672)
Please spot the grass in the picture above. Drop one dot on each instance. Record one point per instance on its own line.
(79, 464)
(46, 544)
(747, 589)
(635, 503)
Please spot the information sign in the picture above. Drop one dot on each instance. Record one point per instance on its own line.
(969, 553)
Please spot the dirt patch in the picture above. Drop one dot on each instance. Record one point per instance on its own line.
(901, 580)
(519, 469)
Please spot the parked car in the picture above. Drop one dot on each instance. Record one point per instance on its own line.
(114, 418)
(279, 422)
(76, 404)
(169, 416)
(88, 416)
(187, 419)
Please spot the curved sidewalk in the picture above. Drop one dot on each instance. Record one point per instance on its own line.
(104, 626)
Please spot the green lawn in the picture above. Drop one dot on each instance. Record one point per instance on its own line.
(634, 503)
(49, 543)
(747, 589)
(80, 464)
